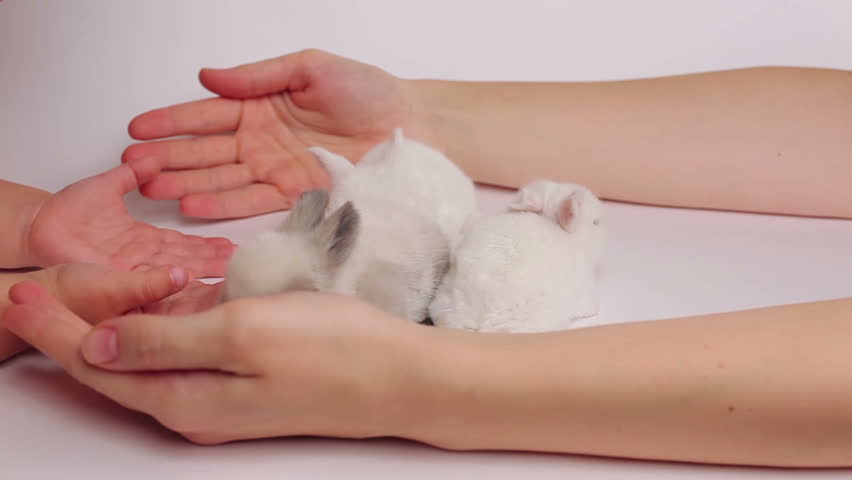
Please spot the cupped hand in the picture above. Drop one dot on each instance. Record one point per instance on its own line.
(249, 151)
(294, 364)
(88, 221)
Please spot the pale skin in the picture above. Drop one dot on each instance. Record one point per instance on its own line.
(758, 387)
(99, 292)
(88, 222)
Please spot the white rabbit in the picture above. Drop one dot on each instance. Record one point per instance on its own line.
(391, 257)
(408, 173)
(529, 270)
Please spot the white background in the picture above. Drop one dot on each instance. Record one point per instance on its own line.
(73, 73)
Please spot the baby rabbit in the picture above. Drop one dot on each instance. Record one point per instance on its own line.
(391, 257)
(409, 174)
(386, 242)
(532, 269)
(303, 254)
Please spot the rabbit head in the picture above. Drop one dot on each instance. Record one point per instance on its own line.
(572, 206)
(304, 254)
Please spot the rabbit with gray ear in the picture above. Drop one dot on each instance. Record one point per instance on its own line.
(387, 241)
(305, 253)
(531, 269)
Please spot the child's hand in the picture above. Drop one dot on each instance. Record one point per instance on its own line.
(196, 297)
(89, 222)
(96, 292)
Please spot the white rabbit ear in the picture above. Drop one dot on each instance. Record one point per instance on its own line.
(337, 234)
(528, 201)
(336, 165)
(307, 213)
(568, 212)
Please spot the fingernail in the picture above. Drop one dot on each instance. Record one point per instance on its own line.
(179, 276)
(101, 346)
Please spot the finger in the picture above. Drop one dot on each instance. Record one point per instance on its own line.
(49, 326)
(201, 117)
(193, 248)
(174, 185)
(157, 343)
(124, 291)
(186, 153)
(251, 200)
(259, 78)
(201, 257)
(123, 179)
(145, 169)
(174, 236)
(195, 297)
(198, 267)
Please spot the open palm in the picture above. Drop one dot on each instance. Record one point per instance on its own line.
(249, 153)
(89, 222)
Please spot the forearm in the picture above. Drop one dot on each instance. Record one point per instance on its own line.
(18, 207)
(769, 387)
(764, 139)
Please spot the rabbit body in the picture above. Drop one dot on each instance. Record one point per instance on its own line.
(387, 240)
(529, 270)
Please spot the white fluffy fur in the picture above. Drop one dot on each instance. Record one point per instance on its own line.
(525, 271)
(410, 199)
(409, 173)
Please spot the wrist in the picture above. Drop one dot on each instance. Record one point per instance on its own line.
(439, 375)
(28, 254)
(434, 112)
(459, 119)
(18, 210)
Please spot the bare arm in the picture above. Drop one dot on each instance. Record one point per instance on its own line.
(774, 140)
(770, 386)
(19, 205)
(761, 139)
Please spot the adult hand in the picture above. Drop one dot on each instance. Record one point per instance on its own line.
(294, 364)
(88, 221)
(266, 117)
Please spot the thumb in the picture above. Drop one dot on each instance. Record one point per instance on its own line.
(259, 78)
(157, 343)
(126, 178)
(146, 285)
(122, 291)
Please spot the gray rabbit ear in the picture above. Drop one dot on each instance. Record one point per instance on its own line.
(338, 233)
(307, 213)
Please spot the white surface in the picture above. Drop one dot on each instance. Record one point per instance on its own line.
(72, 74)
